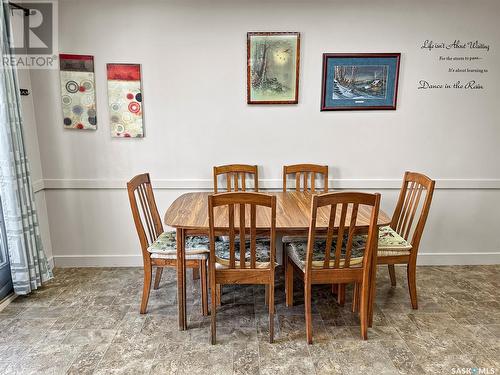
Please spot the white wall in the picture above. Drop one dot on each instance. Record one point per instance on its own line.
(193, 56)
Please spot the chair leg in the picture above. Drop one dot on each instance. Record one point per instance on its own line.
(355, 298)
(335, 289)
(196, 273)
(411, 272)
(271, 312)
(158, 273)
(341, 294)
(363, 313)
(204, 287)
(372, 291)
(218, 290)
(148, 270)
(289, 283)
(392, 274)
(213, 309)
(307, 303)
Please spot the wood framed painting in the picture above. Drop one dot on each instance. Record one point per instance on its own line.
(78, 91)
(359, 81)
(125, 100)
(273, 67)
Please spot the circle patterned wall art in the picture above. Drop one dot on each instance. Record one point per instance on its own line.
(125, 100)
(78, 91)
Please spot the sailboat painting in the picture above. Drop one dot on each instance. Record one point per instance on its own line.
(360, 81)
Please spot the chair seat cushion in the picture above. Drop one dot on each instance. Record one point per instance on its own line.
(165, 246)
(262, 253)
(296, 248)
(389, 240)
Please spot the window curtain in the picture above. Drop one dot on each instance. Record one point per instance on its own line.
(28, 263)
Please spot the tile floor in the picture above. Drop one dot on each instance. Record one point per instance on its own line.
(86, 321)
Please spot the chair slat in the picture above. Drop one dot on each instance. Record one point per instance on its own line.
(253, 235)
(413, 211)
(297, 181)
(231, 237)
(304, 178)
(405, 205)
(329, 235)
(243, 183)
(142, 199)
(340, 236)
(313, 182)
(352, 230)
(242, 236)
(407, 209)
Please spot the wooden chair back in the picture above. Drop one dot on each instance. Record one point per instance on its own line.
(415, 186)
(241, 210)
(236, 176)
(302, 173)
(342, 211)
(144, 210)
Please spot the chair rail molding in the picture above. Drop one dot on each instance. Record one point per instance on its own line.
(266, 184)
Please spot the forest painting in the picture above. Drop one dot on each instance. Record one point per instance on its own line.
(273, 68)
(359, 81)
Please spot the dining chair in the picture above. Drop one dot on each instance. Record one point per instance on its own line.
(159, 248)
(305, 176)
(399, 242)
(236, 180)
(246, 258)
(335, 258)
(236, 176)
(306, 173)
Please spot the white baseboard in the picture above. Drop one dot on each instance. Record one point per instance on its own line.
(98, 260)
(424, 259)
(7, 300)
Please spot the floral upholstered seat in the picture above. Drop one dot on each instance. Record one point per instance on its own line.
(390, 243)
(296, 248)
(262, 251)
(165, 246)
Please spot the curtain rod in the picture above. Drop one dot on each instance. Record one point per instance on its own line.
(17, 6)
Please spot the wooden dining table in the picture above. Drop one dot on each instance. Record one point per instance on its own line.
(188, 214)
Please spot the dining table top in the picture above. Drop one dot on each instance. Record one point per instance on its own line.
(293, 210)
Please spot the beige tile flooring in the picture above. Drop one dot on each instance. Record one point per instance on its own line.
(86, 321)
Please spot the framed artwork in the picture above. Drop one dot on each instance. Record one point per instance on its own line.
(359, 81)
(78, 91)
(125, 100)
(273, 68)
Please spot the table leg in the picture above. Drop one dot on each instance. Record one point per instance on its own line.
(181, 280)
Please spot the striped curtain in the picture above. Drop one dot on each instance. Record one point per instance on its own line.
(28, 263)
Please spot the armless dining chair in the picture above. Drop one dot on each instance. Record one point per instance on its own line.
(159, 248)
(245, 258)
(399, 242)
(335, 258)
(305, 176)
(236, 177)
